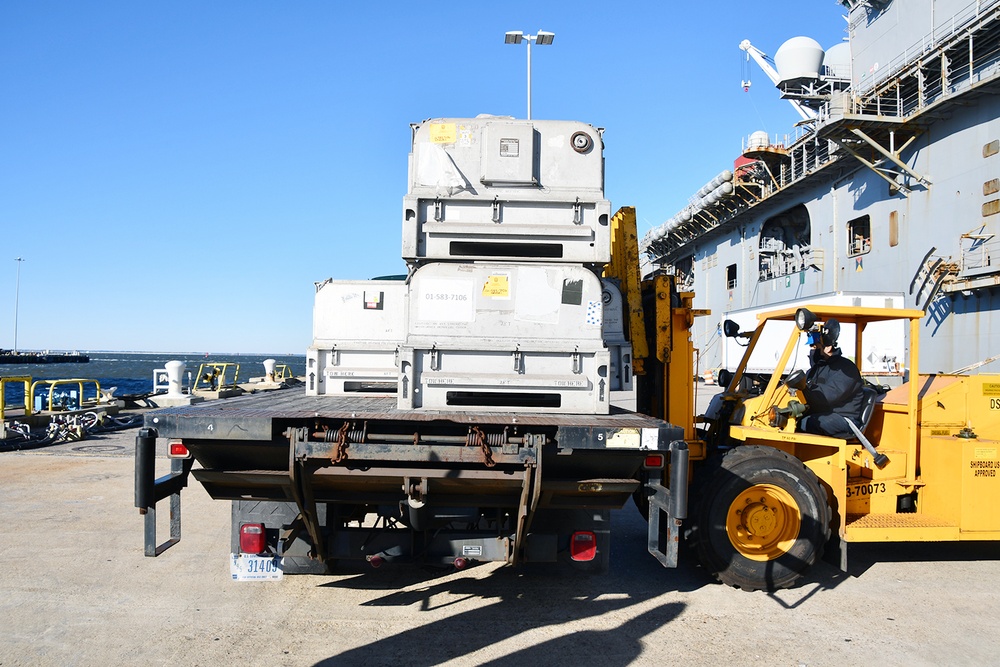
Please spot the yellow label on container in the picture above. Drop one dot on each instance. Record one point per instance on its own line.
(442, 133)
(985, 453)
(497, 287)
(626, 437)
(991, 389)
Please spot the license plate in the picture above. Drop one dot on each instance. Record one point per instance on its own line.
(245, 567)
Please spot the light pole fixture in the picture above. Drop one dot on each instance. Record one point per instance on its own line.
(543, 38)
(17, 292)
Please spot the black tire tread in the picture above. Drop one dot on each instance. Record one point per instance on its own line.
(763, 459)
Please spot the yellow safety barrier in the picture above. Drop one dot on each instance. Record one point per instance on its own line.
(27, 394)
(79, 382)
(213, 376)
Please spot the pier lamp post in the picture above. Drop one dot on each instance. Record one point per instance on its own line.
(17, 292)
(543, 38)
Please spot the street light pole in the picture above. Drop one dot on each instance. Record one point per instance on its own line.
(17, 292)
(543, 38)
(529, 76)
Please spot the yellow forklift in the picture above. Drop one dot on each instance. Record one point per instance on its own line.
(922, 465)
(768, 501)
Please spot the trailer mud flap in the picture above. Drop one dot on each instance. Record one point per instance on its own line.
(149, 490)
(668, 507)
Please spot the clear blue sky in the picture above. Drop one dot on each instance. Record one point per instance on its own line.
(178, 174)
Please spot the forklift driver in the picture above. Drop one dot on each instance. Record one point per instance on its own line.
(833, 388)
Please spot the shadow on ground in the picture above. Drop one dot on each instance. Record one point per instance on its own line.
(511, 601)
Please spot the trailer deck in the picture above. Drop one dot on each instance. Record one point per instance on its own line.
(255, 416)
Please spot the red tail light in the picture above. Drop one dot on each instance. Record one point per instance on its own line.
(583, 545)
(178, 450)
(252, 538)
(653, 461)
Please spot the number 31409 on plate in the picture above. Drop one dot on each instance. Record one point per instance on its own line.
(246, 567)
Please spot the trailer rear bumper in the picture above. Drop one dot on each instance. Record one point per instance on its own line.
(514, 481)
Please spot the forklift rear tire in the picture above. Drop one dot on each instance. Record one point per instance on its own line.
(762, 520)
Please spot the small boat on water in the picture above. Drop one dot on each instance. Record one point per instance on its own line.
(11, 357)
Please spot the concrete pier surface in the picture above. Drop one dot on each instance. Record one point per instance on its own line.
(76, 590)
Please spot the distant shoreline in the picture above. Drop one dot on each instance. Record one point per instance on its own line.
(9, 357)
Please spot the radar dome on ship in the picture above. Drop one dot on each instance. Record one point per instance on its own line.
(799, 58)
(837, 61)
(758, 139)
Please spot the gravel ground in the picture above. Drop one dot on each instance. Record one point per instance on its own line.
(77, 591)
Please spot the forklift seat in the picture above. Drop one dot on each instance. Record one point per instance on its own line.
(869, 397)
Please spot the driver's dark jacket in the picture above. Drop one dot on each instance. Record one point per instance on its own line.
(833, 385)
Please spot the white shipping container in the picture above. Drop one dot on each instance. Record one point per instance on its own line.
(347, 370)
(498, 188)
(359, 310)
(514, 380)
(557, 307)
(358, 327)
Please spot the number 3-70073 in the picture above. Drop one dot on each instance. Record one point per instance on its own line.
(865, 489)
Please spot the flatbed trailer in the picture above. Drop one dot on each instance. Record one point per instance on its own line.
(330, 478)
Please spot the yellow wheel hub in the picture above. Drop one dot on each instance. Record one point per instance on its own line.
(763, 522)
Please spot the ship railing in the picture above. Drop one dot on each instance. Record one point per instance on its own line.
(980, 253)
(859, 246)
(789, 261)
(771, 244)
(939, 35)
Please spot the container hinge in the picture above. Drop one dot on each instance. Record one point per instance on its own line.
(334, 356)
(496, 210)
(577, 212)
(435, 359)
(438, 210)
(518, 360)
(577, 363)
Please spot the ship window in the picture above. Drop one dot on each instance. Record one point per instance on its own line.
(731, 276)
(859, 236)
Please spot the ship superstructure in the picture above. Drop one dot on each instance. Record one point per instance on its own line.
(888, 195)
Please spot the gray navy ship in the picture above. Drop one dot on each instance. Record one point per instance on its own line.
(887, 195)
